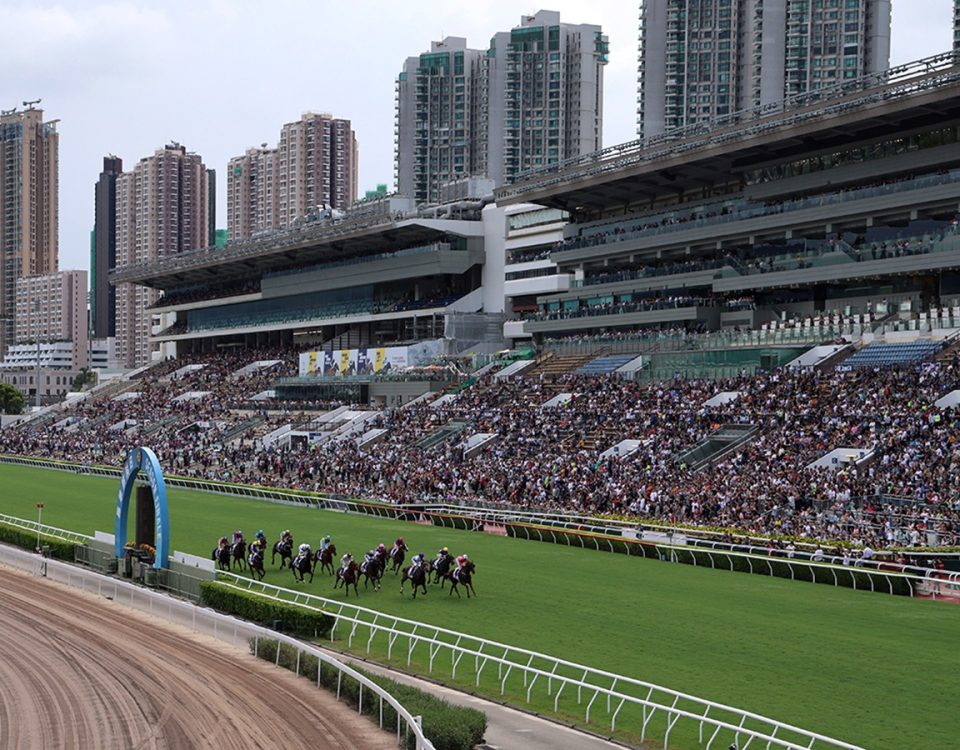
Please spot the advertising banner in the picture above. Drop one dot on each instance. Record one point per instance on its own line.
(330, 367)
(367, 361)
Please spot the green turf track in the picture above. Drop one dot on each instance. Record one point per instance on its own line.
(871, 669)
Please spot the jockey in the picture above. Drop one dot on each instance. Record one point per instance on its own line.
(259, 543)
(224, 542)
(369, 557)
(417, 560)
(346, 561)
(325, 542)
(303, 553)
(442, 555)
(286, 536)
(237, 536)
(462, 560)
(399, 545)
(260, 537)
(381, 550)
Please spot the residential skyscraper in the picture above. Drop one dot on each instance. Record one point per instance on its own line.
(956, 25)
(103, 295)
(211, 208)
(251, 193)
(441, 120)
(28, 205)
(534, 97)
(702, 59)
(53, 307)
(545, 93)
(162, 209)
(314, 165)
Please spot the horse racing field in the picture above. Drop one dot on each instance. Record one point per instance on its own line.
(875, 670)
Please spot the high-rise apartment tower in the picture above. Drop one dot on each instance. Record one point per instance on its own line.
(702, 59)
(533, 98)
(162, 209)
(314, 165)
(28, 205)
(103, 295)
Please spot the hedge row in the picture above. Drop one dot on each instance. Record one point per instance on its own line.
(447, 726)
(59, 548)
(255, 608)
(850, 577)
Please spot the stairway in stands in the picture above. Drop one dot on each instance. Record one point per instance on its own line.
(606, 364)
(603, 437)
(718, 444)
(552, 365)
(437, 436)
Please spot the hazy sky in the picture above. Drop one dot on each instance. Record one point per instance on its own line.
(220, 76)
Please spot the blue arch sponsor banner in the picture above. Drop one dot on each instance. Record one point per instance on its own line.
(146, 459)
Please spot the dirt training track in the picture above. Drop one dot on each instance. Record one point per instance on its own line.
(77, 671)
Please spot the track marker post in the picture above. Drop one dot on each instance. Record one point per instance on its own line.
(39, 520)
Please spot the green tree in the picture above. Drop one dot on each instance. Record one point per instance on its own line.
(85, 376)
(11, 400)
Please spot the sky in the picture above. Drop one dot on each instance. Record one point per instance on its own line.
(220, 76)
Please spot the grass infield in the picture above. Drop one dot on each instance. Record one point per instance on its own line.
(872, 669)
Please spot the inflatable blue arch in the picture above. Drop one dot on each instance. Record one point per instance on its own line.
(146, 459)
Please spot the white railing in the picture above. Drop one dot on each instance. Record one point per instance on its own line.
(583, 531)
(45, 530)
(208, 622)
(713, 721)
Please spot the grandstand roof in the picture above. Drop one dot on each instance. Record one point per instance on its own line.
(923, 93)
(294, 247)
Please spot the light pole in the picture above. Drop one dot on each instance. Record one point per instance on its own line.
(36, 328)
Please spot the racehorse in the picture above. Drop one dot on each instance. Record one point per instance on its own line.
(348, 577)
(441, 567)
(326, 557)
(239, 552)
(222, 556)
(301, 565)
(372, 570)
(397, 555)
(256, 562)
(464, 577)
(285, 550)
(418, 576)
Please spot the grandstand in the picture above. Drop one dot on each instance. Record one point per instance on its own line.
(382, 275)
(834, 215)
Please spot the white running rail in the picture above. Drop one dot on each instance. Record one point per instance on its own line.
(715, 722)
(574, 531)
(45, 530)
(209, 622)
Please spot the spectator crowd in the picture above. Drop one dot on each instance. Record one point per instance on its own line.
(555, 458)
